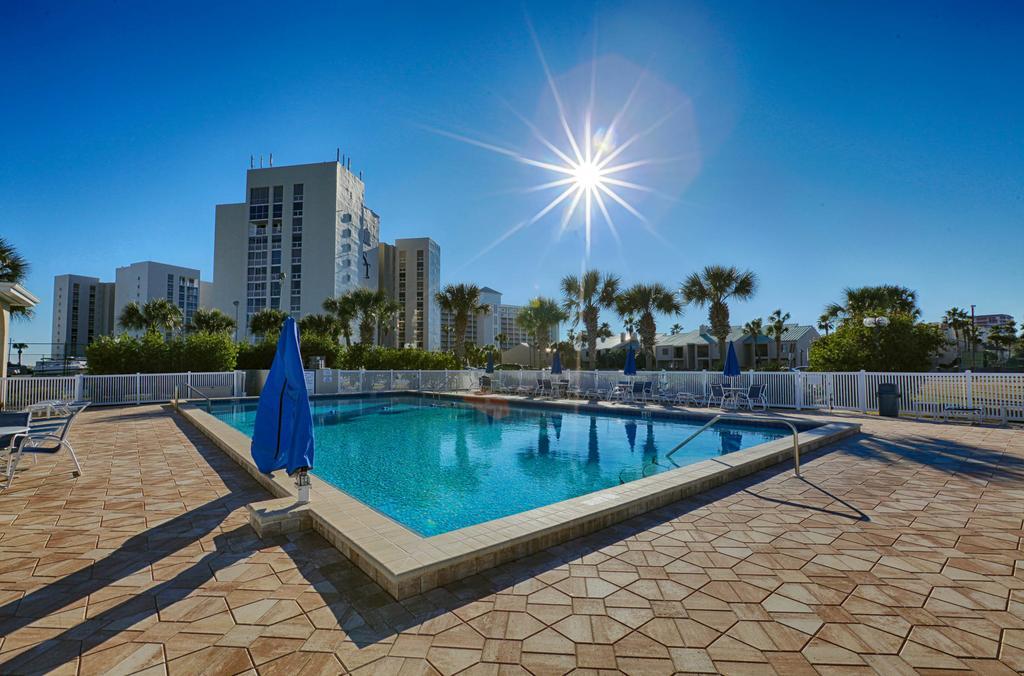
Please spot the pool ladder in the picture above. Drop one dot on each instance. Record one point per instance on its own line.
(717, 418)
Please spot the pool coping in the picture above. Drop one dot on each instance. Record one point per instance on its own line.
(406, 563)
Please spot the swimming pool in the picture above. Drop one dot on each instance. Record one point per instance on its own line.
(437, 466)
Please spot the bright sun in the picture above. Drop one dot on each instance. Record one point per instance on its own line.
(587, 175)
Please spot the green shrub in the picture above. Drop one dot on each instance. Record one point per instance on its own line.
(152, 354)
(903, 345)
(319, 345)
(204, 351)
(255, 356)
(384, 358)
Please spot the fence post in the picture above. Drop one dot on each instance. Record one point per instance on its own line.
(188, 378)
(78, 387)
(704, 381)
(798, 383)
(391, 380)
(138, 389)
(3, 393)
(361, 380)
(862, 391)
(970, 394)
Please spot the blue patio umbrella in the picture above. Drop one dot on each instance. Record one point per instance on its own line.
(630, 368)
(282, 436)
(732, 364)
(490, 362)
(556, 365)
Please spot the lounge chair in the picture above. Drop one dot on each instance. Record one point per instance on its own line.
(45, 436)
(754, 396)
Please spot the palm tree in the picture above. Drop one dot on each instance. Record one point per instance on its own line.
(957, 320)
(20, 347)
(344, 311)
(866, 301)
(267, 323)
(384, 312)
(643, 301)
(776, 329)
(713, 287)
(155, 316)
(755, 329)
(211, 321)
(13, 269)
(461, 301)
(539, 317)
(676, 330)
(500, 339)
(826, 323)
(583, 297)
(321, 325)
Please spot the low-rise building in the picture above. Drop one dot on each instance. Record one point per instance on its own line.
(698, 349)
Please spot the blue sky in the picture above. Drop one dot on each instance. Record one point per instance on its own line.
(820, 144)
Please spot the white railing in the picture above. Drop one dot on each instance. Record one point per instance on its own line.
(997, 395)
(132, 388)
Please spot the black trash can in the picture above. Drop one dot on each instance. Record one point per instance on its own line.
(888, 400)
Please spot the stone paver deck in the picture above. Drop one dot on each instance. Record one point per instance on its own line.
(899, 552)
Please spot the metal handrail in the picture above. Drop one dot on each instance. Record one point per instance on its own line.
(723, 416)
(209, 402)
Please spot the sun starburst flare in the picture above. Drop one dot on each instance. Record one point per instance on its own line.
(589, 171)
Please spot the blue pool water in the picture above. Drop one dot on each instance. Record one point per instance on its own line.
(438, 466)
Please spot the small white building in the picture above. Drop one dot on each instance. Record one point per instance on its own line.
(697, 350)
(11, 296)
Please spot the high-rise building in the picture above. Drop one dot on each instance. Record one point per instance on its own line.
(148, 280)
(304, 234)
(500, 321)
(989, 321)
(410, 272)
(83, 310)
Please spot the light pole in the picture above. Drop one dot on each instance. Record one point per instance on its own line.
(235, 303)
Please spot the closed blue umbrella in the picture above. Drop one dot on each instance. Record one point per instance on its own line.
(732, 364)
(282, 435)
(490, 362)
(556, 365)
(630, 368)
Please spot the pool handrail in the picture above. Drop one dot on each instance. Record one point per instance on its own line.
(725, 416)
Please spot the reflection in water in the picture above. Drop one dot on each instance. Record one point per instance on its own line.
(543, 440)
(631, 434)
(732, 440)
(650, 448)
(556, 421)
(593, 457)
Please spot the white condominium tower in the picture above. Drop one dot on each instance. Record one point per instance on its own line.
(303, 234)
(83, 310)
(148, 280)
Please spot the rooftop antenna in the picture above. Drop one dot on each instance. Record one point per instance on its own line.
(271, 159)
(261, 161)
(349, 167)
(252, 162)
(337, 154)
(360, 174)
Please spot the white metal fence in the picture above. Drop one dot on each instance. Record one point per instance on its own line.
(995, 394)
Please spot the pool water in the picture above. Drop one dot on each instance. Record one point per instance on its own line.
(439, 465)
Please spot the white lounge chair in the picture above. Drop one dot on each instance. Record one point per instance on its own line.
(48, 436)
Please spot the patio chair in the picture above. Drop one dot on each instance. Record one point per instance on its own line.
(545, 388)
(46, 436)
(621, 391)
(754, 396)
(643, 392)
(716, 393)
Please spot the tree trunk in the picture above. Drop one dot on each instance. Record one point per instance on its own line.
(461, 322)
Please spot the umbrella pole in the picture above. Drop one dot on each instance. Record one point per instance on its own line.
(302, 483)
